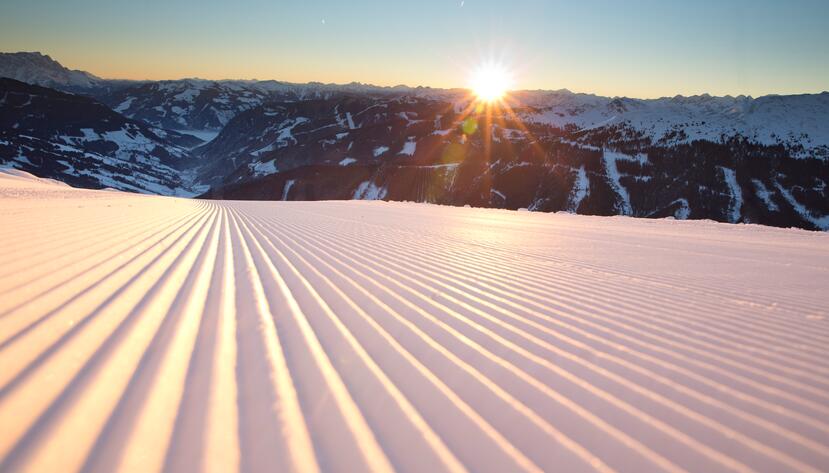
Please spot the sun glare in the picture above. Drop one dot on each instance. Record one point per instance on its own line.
(490, 82)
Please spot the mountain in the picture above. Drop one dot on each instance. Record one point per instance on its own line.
(40, 69)
(795, 121)
(190, 104)
(686, 158)
(198, 105)
(734, 159)
(77, 140)
(336, 131)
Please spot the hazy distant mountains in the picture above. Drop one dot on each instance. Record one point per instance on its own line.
(737, 159)
(204, 105)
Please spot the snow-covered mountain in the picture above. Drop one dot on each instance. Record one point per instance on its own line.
(798, 122)
(40, 69)
(198, 105)
(77, 140)
(189, 104)
(422, 149)
(736, 159)
(338, 131)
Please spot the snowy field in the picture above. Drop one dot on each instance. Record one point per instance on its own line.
(143, 333)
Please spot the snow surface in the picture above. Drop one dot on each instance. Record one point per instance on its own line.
(684, 210)
(818, 221)
(263, 169)
(763, 193)
(581, 189)
(368, 190)
(288, 185)
(204, 135)
(610, 157)
(125, 105)
(40, 69)
(736, 193)
(409, 147)
(145, 333)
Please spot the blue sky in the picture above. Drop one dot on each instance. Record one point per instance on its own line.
(643, 48)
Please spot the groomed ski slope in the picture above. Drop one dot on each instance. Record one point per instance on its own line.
(143, 334)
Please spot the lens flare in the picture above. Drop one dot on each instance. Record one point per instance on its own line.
(490, 82)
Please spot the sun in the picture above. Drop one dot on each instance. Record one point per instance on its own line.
(490, 82)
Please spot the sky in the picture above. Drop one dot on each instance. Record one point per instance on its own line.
(647, 48)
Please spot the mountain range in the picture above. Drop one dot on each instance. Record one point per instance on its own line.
(733, 159)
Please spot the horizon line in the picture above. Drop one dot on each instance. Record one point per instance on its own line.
(406, 86)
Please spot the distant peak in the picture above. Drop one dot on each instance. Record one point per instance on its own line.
(37, 55)
(34, 67)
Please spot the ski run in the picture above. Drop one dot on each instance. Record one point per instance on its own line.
(142, 333)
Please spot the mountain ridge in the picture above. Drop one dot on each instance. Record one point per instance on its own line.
(397, 87)
(732, 159)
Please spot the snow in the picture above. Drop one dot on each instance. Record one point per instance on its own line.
(89, 134)
(140, 170)
(452, 166)
(40, 69)
(22, 160)
(264, 169)
(368, 190)
(380, 150)
(265, 149)
(769, 120)
(129, 141)
(409, 121)
(125, 105)
(409, 147)
(821, 222)
(736, 193)
(684, 210)
(204, 135)
(286, 131)
(765, 195)
(581, 189)
(284, 135)
(188, 95)
(285, 190)
(149, 333)
(640, 158)
(347, 161)
(609, 157)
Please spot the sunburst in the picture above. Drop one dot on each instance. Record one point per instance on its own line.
(490, 82)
